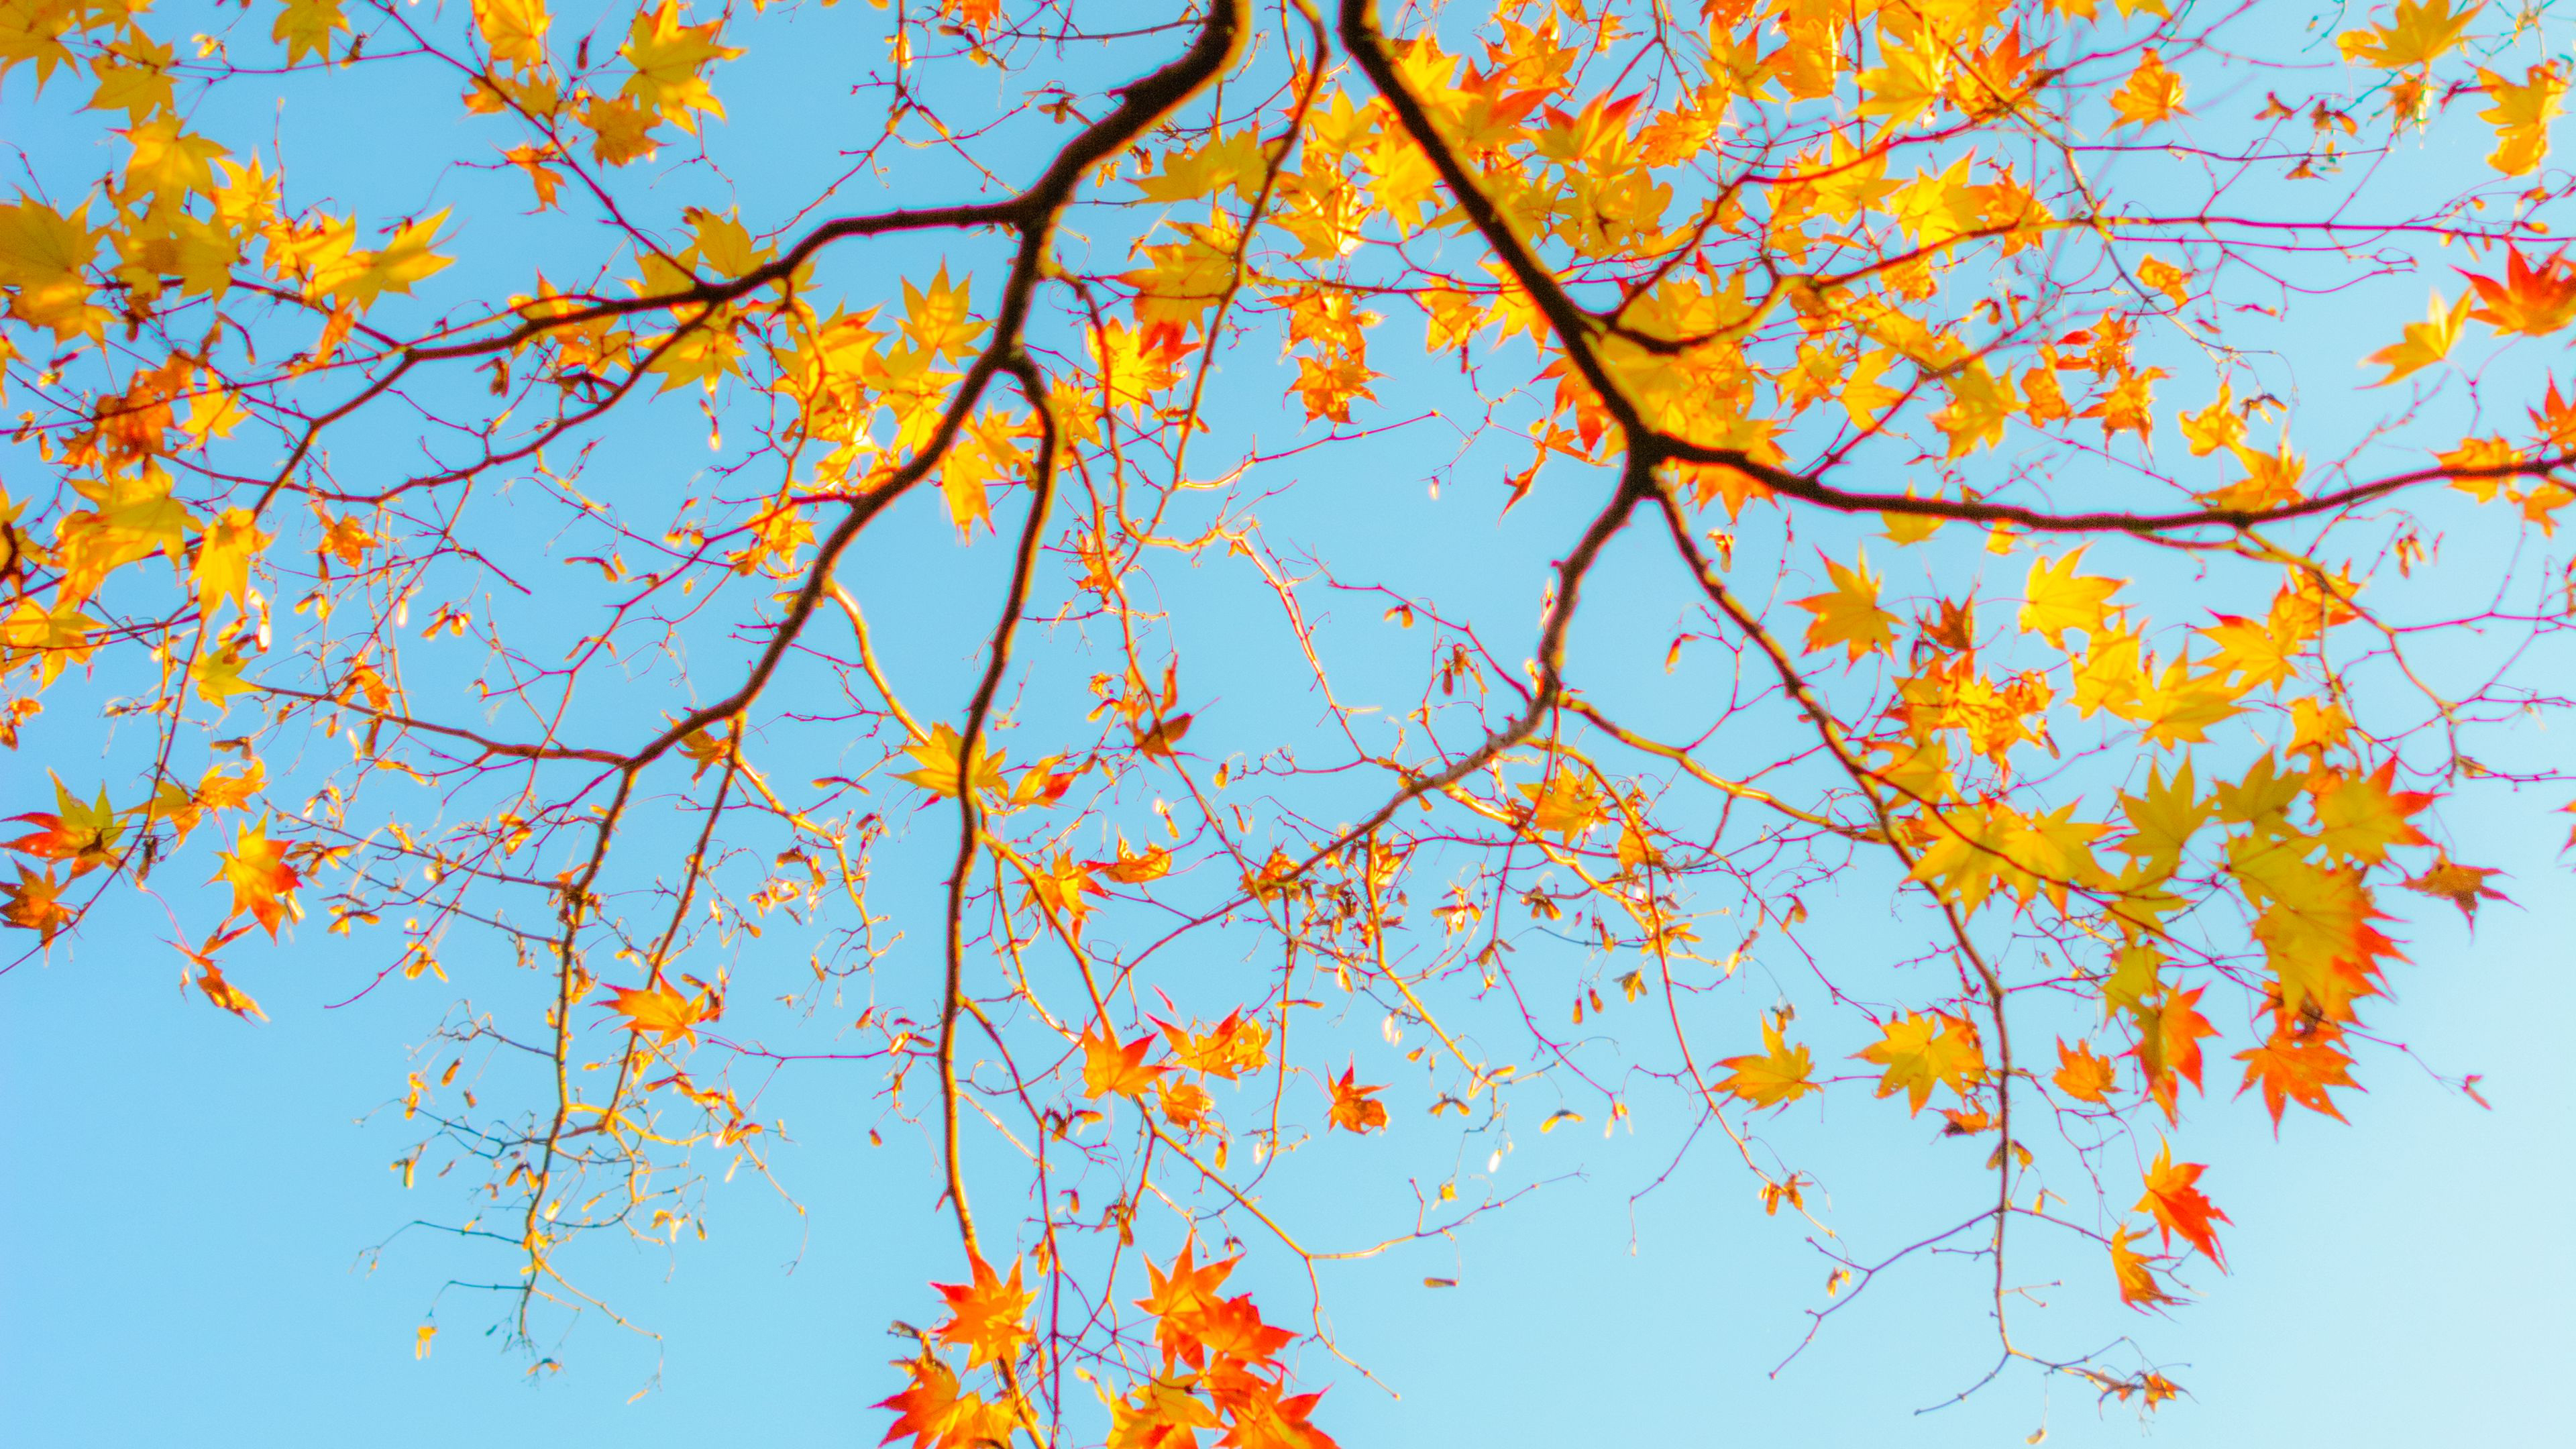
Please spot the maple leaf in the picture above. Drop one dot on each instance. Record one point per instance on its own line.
(2055, 599)
(305, 27)
(1182, 1296)
(667, 57)
(85, 835)
(1849, 614)
(2462, 885)
(930, 1409)
(1185, 1105)
(621, 130)
(358, 278)
(2163, 820)
(2421, 33)
(661, 1010)
(1262, 1417)
(1355, 1108)
(985, 1315)
(2421, 344)
(2521, 115)
(2081, 1074)
(1108, 1068)
(2297, 1064)
(1918, 1051)
(1063, 889)
(2534, 301)
(1158, 740)
(937, 769)
(1565, 802)
(2151, 95)
(2168, 1049)
(1158, 1415)
(224, 557)
(514, 31)
(2174, 1196)
(1774, 1079)
(1232, 1328)
(2138, 1285)
(1135, 867)
(1226, 1050)
(2216, 426)
(210, 980)
(2360, 817)
(44, 255)
(34, 903)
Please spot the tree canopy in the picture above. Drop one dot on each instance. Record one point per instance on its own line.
(1489, 567)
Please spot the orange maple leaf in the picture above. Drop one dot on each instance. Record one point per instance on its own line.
(1185, 1105)
(210, 980)
(1182, 1296)
(985, 1314)
(2151, 95)
(263, 883)
(1108, 1068)
(2297, 1065)
(2174, 1196)
(937, 1416)
(84, 834)
(1135, 868)
(2138, 1285)
(658, 1008)
(1354, 1109)
(2082, 1074)
(35, 904)
(1226, 1050)
(2168, 1049)
(2534, 301)
(1260, 1416)
(1232, 1328)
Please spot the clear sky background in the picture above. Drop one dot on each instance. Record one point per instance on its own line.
(200, 1241)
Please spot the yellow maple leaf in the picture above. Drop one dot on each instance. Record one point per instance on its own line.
(2055, 599)
(224, 556)
(2421, 344)
(358, 278)
(514, 30)
(2421, 32)
(621, 130)
(44, 255)
(936, 767)
(2181, 706)
(1849, 614)
(2521, 115)
(668, 58)
(936, 318)
(1776, 1078)
(1919, 1051)
(305, 27)
(2151, 96)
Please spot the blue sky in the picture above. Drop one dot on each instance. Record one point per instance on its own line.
(204, 1243)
